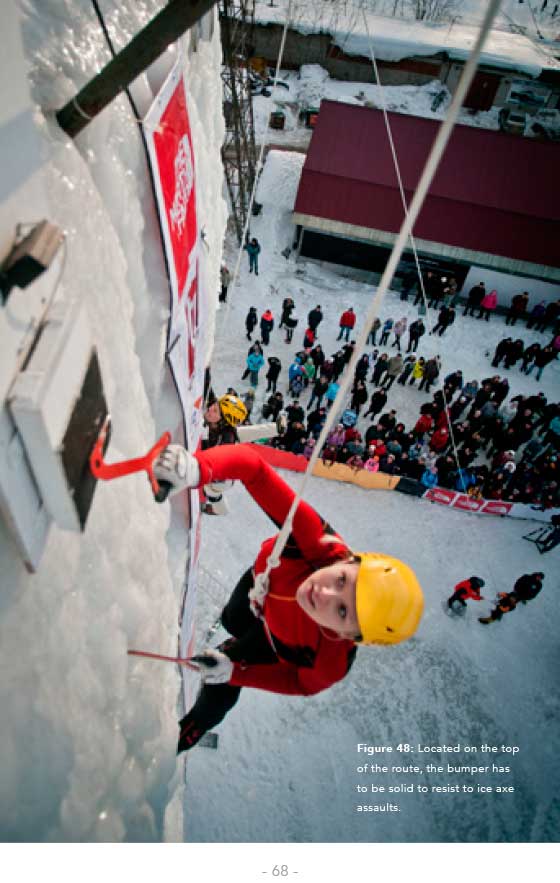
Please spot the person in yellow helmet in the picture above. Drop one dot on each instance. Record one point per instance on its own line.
(323, 600)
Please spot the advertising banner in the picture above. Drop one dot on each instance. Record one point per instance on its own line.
(170, 146)
(463, 501)
(440, 495)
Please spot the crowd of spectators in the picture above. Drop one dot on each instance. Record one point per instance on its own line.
(470, 437)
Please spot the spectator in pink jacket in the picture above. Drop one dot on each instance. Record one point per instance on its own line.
(372, 464)
(488, 305)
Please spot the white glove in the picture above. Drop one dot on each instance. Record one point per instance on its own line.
(178, 468)
(214, 667)
(257, 596)
(214, 494)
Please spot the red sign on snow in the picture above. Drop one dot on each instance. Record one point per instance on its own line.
(496, 507)
(463, 501)
(175, 159)
(440, 495)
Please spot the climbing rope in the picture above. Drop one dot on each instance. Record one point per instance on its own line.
(261, 583)
(439, 384)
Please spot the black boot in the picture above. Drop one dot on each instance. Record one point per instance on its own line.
(189, 734)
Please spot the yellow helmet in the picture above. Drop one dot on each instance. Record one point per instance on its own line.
(232, 409)
(389, 600)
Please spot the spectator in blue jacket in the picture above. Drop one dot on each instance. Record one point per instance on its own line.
(430, 477)
(255, 361)
(331, 393)
(253, 250)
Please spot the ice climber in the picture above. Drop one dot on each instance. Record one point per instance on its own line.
(300, 635)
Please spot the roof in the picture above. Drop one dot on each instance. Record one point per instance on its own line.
(493, 193)
(394, 39)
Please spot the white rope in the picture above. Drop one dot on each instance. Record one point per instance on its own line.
(287, 22)
(440, 383)
(411, 216)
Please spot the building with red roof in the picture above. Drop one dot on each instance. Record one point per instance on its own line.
(494, 202)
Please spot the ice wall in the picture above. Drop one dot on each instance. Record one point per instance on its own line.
(87, 747)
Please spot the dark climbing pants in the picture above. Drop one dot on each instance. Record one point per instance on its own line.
(215, 700)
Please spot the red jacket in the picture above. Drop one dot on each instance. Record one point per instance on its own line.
(348, 319)
(423, 424)
(467, 590)
(304, 554)
(440, 439)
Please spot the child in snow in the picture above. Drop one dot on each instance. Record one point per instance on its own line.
(298, 634)
(468, 588)
(505, 604)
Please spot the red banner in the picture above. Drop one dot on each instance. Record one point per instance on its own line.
(463, 501)
(496, 507)
(175, 160)
(440, 495)
(171, 151)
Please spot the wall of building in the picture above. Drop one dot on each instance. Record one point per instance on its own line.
(319, 49)
(507, 286)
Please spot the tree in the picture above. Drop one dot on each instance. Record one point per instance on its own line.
(434, 10)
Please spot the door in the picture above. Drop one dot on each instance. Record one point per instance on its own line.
(482, 92)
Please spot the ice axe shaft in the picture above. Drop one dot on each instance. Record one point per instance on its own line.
(176, 659)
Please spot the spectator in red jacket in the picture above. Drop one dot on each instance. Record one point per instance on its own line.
(439, 440)
(423, 425)
(346, 323)
(468, 588)
(296, 632)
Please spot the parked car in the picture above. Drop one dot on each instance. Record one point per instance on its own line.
(512, 120)
(546, 124)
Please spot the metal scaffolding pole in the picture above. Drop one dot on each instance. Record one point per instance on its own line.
(238, 151)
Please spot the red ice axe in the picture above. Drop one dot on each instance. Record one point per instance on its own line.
(108, 471)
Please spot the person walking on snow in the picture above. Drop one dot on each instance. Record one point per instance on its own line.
(506, 602)
(298, 633)
(253, 250)
(518, 308)
(408, 365)
(488, 305)
(377, 403)
(418, 371)
(255, 361)
(398, 329)
(267, 324)
(385, 331)
(474, 299)
(308, 339)
(225, 278)
(274, 368)
(468, 588)
(250, 321)
(415, 332)
(346, 323)
(431, 372)
(314, 318)
(446, 317)
(528, 586)
(394, 368)
(288, 306)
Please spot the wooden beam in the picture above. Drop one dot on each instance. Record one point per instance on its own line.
(163, 30)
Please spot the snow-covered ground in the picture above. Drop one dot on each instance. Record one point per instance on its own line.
(285, 769)
(312, 83)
